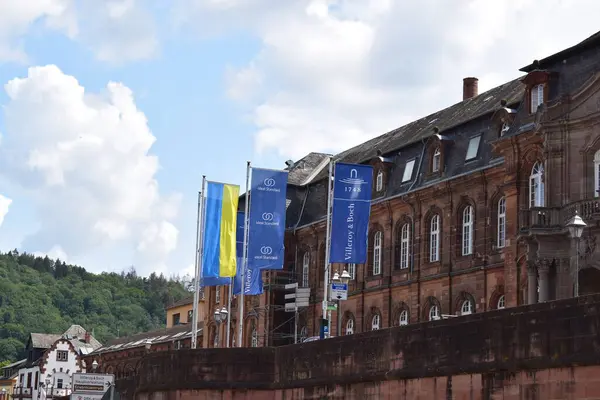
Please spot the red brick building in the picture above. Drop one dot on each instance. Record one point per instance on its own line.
(469, 213)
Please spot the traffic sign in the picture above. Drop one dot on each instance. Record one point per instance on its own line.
(339, 291)
(92, 383)
(299, 297)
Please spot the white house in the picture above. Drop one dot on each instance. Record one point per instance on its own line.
(51, 361)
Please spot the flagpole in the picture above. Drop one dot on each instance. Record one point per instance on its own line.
(228, 333)
(327, 244)
(198, 266)
(244, 257)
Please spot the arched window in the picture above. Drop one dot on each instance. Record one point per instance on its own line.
(350, 326)
(434, 313)
(377, 242)
(403, 318)
(467, 231)
(375, 322)
(405, 246)
(305, 268)
(597, 174)
(501, 231)
(436, 160)
(254, 337)
(216, 340)
(500, 304)
(536, 186)
(434, 239)
(466, 308)
(379, 181)
(537, 97)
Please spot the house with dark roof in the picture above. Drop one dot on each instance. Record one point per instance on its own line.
(475, 207)
(51, 361)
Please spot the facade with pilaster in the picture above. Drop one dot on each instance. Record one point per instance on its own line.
(469, 213)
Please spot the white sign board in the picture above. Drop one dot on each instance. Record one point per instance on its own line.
(92, 383)
(339, 291)
(86, 396)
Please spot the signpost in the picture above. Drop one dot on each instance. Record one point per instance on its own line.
(339, 291)
(300, 298)
(92, 386)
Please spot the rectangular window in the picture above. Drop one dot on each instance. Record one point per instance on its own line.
(59, 383)
(408, 171)
(352, 270)
(217, 294)
(190, 316)
(537, 97)
(473, 148)
(37, 379)
(62, 355)
(176, 319)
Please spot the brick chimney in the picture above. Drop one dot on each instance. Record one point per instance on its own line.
(87, 337)
(470, 88)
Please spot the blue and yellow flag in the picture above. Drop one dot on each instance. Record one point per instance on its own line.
(220, 223)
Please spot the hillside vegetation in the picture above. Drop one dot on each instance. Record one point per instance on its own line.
(47, 296)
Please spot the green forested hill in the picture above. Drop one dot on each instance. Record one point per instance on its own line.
(42, 295)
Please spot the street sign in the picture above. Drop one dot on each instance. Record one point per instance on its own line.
(86, 396)
(298, 299)
(91, 383)
(339, 291)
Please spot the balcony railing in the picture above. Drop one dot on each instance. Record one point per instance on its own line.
(553, 219)
(26, 393)
(22, 392)
(540, 218)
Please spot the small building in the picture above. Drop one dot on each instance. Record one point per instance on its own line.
(51, 361)
(181, 311)
(8, 378)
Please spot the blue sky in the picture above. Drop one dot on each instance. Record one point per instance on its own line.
(218, 83)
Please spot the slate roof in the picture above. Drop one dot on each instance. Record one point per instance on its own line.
(182, 302)
(453, 116)
(43, 340)
(302, 169)
(458, 123)
(157, 336)
(590, 42)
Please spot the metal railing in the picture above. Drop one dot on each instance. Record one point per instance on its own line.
(555, 218)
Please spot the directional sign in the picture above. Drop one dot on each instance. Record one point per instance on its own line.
(92, 383)
(339, 291)
(299, 298)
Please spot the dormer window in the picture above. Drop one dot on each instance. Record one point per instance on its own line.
(436, 160)
(473, 148)
(408, 171)
(537, 97)
(505, 127)
(379, 181)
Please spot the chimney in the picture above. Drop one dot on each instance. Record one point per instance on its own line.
(470, 88)
(87, 337)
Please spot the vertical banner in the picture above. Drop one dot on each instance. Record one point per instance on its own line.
(267, 219)
(253, 282)
(351, 211)
(219, 238)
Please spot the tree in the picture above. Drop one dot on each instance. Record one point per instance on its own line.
(38, 294)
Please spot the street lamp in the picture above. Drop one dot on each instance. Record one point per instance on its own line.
(220, 317)
(94, 365)
(344, 278)
(3, 394)
(576, 226)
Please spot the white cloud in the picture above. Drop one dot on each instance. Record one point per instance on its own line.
(116, 31)
(334, 73)
(84, 157)
(5, 202)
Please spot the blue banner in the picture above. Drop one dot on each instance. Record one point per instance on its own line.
(212, 281)
(351, 211)
(267, 219)
(253, 282)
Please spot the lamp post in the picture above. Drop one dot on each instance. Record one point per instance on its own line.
(344, 278)
(220, 317)
(576, 226)
(94, 365)
(49, 387)
(3, 394)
